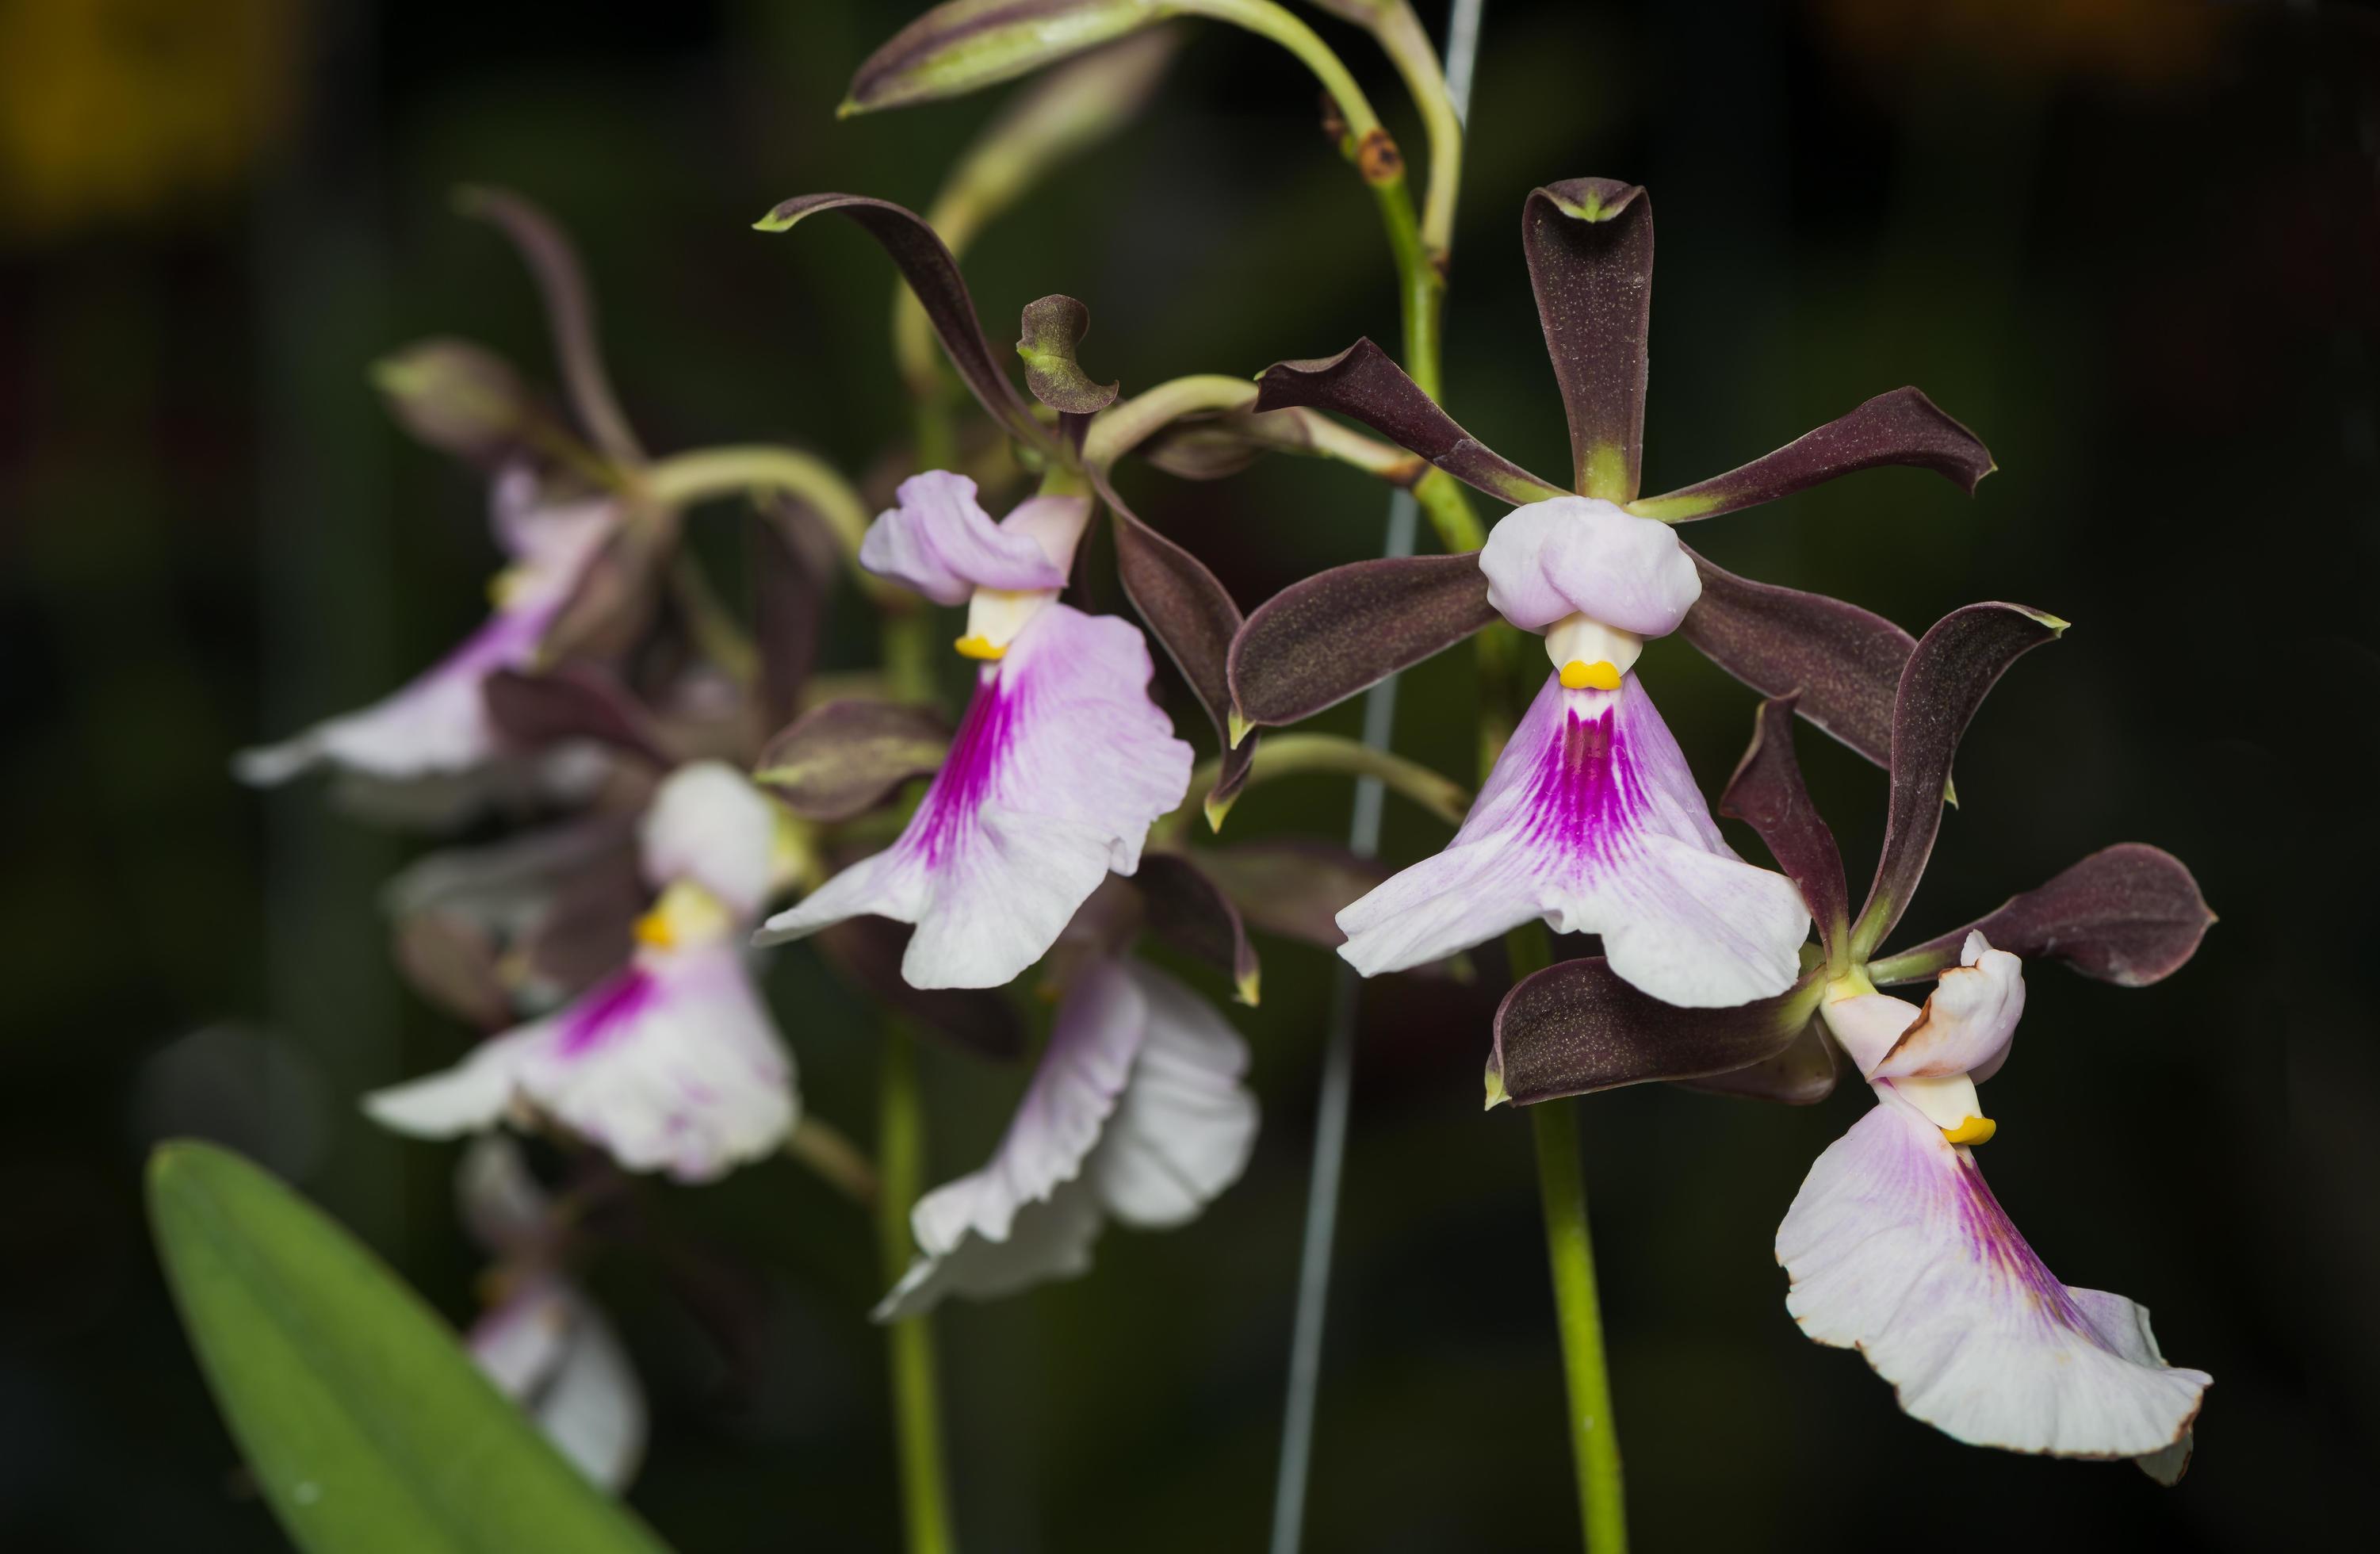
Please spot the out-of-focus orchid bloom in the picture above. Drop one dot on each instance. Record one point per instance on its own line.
(1058, 770)
(1591, 820)
(542, 1341)
(438, 724)
(1897, 1247)
(1136, 1112)
(673, 1063)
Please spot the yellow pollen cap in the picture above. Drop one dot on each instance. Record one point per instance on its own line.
(654, 929)
(1600, 675)
(981, 648)
(1974, 1130)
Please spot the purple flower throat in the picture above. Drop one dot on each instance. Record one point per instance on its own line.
(609, 1007)
(948, 812)
(1584, 789)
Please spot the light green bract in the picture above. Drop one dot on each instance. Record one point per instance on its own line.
(367, 1427)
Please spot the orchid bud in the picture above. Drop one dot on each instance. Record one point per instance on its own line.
(968, 44)
(458, 397)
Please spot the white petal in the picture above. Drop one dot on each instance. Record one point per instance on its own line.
(1968, 1022)
(500, 1201)
(472, 1095)
(1187, 1125)
(1581, 554)
(549, 1350)
(1054, 780)
(939, 542)
(1867, 1024)
(1093, 1042)
(708, 824)
(1898, 1248)
(436, 724)
(1592, 822)
(1050, 1241)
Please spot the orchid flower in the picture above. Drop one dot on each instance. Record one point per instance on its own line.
(439, 724)
(673, 1061)
(1136, 1112)
(542, 1341)
(1590, 821)
(1895, 1245)
(1058, 770)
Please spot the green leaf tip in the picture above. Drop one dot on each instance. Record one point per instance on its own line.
(1237, 728)
(1248, 988)
(1217, 808)
(775, 221)
(1496, 1094)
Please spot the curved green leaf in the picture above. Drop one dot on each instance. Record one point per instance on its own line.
(367, 1427)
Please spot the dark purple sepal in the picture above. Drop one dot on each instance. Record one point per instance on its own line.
(1192, 617)
(1293, 886)
(1767, 793)
(868, 951)
(964, 45)
(844, 758)
(452, 964)
(2130, 914)
(589, 929)
(1362, 384)
(1953, 668)
(794, 564)
(926, 263)
(1189, 910)
(570, 314)
(1844, 661)
(1052, 331)
(1576, 1027)
(1316, 643)
(1902, 426)
(1803, 1075)
(573, 701)
(1590, 248)
(612, 602)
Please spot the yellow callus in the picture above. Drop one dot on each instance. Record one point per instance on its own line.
(654, 929)
(507, 585)
(1600, 675)
(686, 915)
(1974, 1130)
(976, 646)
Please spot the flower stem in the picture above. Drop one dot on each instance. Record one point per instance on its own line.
(1595, 1441)
(916, 1405)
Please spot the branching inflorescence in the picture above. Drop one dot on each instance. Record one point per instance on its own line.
(702, 786)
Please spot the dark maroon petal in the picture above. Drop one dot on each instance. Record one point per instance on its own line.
(1844, 662)
(589, 931)
(794, 566)
(570, 314)
(1577, 1027)
(1767, 790)
(572, 701)
(2130, 914)
(1954, 667)
(868, 951)
(452, 964)
(846, 757)
(1190, 615)
(934, 279)
(1318, 642)
(1190, 911)
(1803, 1075)
(1053, 328)
(1362, 384)
(1902, 426)
(612, 602)
(1293, 886)
(1590, 247)
(967, 44)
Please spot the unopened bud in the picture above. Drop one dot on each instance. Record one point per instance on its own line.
(457, 398)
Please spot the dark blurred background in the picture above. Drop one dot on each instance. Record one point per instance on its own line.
(2133, 245)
